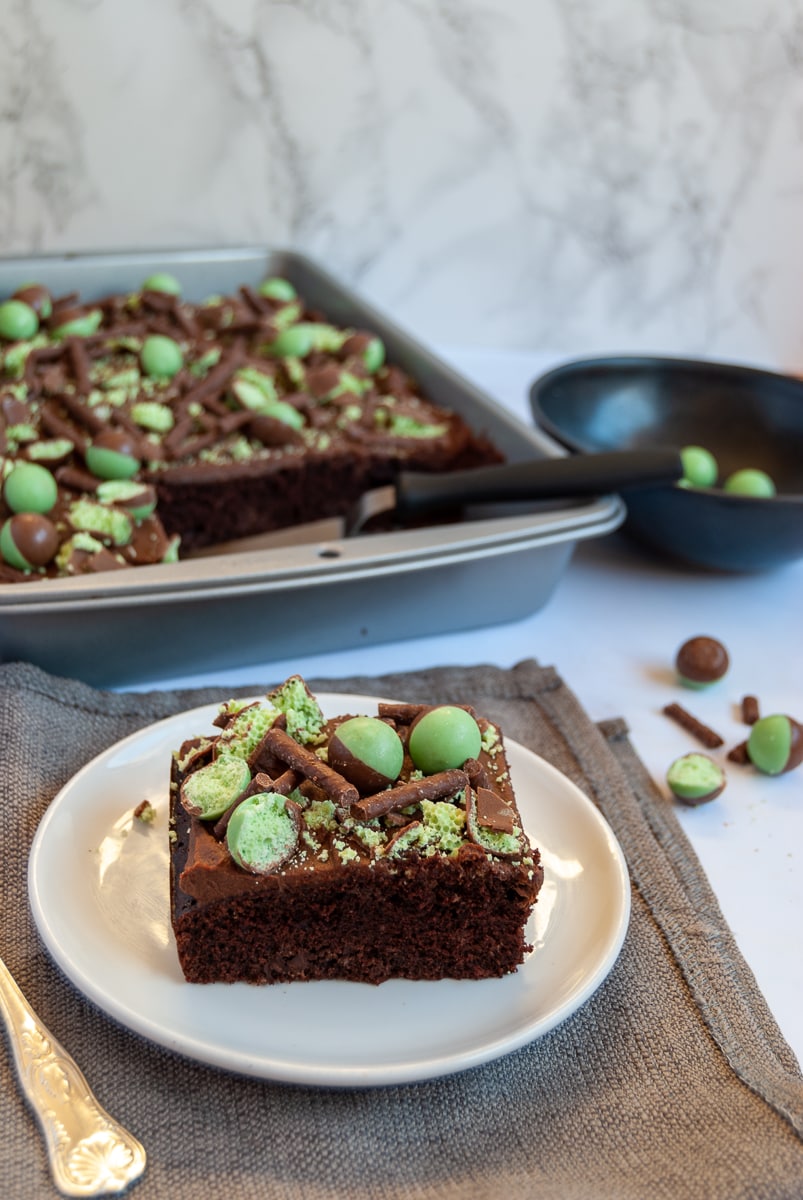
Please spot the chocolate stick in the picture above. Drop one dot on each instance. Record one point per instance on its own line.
(431, 787)
(310, 766)
(691, 724)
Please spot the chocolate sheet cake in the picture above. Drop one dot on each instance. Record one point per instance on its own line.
(141, 426)
(358, 848)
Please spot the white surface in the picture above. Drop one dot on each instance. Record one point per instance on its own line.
(99, 891)
(612, 629)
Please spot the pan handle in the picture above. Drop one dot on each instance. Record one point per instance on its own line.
(538, 479)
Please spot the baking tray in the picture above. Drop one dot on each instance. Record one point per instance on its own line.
(151, 623)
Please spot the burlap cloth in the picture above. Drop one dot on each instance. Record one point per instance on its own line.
(672, 1080)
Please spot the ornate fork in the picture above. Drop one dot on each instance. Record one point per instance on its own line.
(90, 1154)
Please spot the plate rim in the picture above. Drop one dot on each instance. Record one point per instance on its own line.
(208, 1052)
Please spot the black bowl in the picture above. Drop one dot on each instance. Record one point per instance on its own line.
(745, 417)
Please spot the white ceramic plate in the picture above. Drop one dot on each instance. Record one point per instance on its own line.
(98, 886)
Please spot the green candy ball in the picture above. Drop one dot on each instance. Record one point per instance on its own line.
(695, 779)
(370, 742)
(18, 321)
(30, 488)
(295, 342)
(373, 355)
(750, 482)
(161, 357)
(110, 464)
(700, 468)
(162, 281)
(277, 288)
(775, 744)
(444, 738)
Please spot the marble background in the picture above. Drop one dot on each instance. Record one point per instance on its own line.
(572, 176)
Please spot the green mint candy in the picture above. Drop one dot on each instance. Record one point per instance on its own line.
(162, 281)
(161, 357)
(30, 487)
(261, 833)
(444, 738)
(209, 791)
(277, 288)
(750, 482)
(18, 321)
(700, 468)
(695, 779)
(367, 751)
(83, 326)
(775, 744)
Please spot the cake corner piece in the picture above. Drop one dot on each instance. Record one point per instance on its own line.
(362, 847)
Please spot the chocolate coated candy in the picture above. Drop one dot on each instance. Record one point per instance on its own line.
(28, 540)
(162, 281)
(775, 744)
(113, 455)
(443, 738)
(38, 297)
(695, 779)
(367, 752)
(701, 661)
(209, 791)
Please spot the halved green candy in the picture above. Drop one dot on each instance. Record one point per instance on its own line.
(209, 791)
(443, 738)
(695, 779)
(775, 744)
(162, 281)
(263, 832)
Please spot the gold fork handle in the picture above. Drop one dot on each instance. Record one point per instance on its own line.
(90, 1154)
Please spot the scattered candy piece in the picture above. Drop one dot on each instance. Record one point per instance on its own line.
(262, 832)
(701, 661)
(750, 709)
(695, 779)
(18, 321)
(750, 482)
(443, 738)
(700, 468)
(30, 487)
(145, 812)
(709, 737)
(137, 498)
(775, 744)
(368, 752)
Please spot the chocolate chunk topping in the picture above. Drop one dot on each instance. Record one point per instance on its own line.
(491, 812)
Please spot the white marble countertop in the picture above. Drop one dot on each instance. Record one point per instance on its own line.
(612, 629)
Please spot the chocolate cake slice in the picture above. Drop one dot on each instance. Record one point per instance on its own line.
(363, 847)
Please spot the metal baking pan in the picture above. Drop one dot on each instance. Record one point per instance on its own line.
(150, 623)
